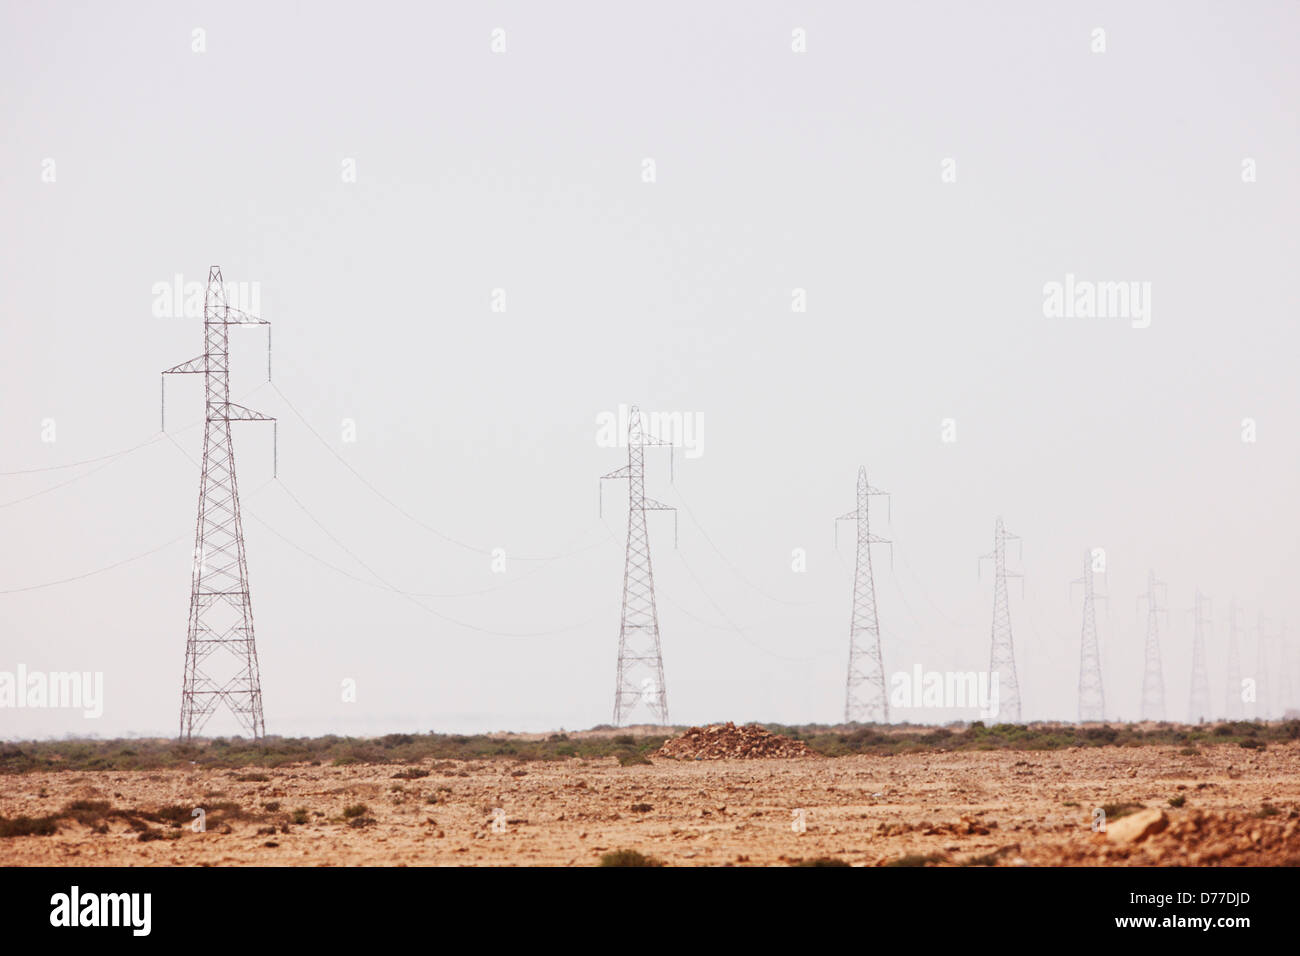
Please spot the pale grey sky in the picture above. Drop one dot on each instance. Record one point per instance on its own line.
(522, 171)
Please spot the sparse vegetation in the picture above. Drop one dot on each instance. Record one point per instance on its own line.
(917, 859)
(989, 859)
(628, 858)
(1114, 811)
(97, 814)
(413, 752)
(410, 773)
(29, 826)
(1177, 801)
(820, 861)
(355, 810)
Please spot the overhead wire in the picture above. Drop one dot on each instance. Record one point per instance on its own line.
(407, 514)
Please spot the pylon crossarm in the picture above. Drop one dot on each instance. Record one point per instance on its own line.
(236, 317)
(194, 365)
(238, 413)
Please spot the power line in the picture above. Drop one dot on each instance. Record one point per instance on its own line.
(406, 514)
(389, 586)
(732, 625)
(727, 561)
(89, 574)
(86, 461)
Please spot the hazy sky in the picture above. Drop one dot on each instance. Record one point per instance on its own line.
(524, 171)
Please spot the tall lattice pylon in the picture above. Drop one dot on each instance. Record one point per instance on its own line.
(1092, 701)
(220, 650)
(640, 679)
(1002, 656)
(1232, 702)
(1153, 678)
(866, 698)
(1198, 703)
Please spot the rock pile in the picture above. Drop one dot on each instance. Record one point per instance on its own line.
(729, 742)
(1227, 838)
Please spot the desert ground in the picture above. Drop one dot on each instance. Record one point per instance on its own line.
(1220, 805)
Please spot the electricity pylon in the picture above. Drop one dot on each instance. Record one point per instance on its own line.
(1002, 657)
(1092, 702)
(220, 651)
(1232, 702)
(1153, 679)
(1261, 669)
(640, 658)
(865, 695)
(1284, 663)
(1198, 706)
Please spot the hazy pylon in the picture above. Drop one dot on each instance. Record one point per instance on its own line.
(1002, 655)
(1262, 656)
(640, 677)
(1232, 702)
(866, 698)
(1092, 701)
(1153, 678)
(1198, 705)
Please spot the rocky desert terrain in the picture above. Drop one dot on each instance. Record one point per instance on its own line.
(721, 799)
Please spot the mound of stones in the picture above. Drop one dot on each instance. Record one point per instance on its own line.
(729, 742)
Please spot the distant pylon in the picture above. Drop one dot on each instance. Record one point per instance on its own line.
(640, 658)
(220, 650)
(1153, 679)
(1092, 702)
(865, 698)
(1002, 657)
(1198, 706)
(1283, 661)
(1262, 709)
(1232, 703)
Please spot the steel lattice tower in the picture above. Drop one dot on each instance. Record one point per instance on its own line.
(1198, 704)
(1153, 680)
(1284, 664)
(1262, 702)
(640, 658)
(1232, 702)
(1002, 657)
(220, 651)
(1092, 702)
(865, 697)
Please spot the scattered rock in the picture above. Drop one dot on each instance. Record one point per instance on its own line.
(1136, 827)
